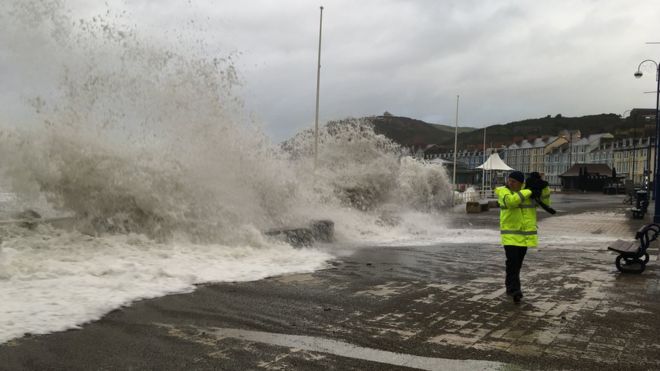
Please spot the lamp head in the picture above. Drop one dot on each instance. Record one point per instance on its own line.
(638, 74)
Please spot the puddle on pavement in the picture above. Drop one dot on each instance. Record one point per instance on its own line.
(296, 278)
(386, 290)
(343, 349)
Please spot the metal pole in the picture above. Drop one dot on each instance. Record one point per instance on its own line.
(634, 157)
(634, 148)
(318, 86)
(632, 160)
(648, 156)
(570, 149)
(483, 169)
(455, 143)
(656, 185)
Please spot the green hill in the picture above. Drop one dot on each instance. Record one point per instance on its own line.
(450, 129)
(407, 131)
(550, 126)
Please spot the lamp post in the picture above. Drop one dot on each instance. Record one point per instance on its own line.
(656, 178)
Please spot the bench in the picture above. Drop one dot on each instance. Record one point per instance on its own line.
(632, 256)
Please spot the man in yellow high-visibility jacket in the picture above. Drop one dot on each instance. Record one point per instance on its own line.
(518, 226)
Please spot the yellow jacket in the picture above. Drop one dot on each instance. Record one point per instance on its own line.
(518, 216)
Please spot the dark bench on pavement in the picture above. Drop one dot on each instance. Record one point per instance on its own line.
(632, 256)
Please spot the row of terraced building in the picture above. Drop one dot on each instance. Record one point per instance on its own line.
(554, 156)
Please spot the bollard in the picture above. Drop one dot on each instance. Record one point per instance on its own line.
(641, 204)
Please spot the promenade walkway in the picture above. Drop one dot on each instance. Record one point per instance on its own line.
(391, 308)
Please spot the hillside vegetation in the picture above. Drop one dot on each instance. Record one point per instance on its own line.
(408, 132)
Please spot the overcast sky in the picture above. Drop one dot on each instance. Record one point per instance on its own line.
(509, 60)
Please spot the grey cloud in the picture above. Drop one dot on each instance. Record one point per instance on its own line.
(508, 60)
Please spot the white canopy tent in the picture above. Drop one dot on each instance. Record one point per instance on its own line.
(494, 162)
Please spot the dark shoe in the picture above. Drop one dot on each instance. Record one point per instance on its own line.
(513, 292)
(517, 296)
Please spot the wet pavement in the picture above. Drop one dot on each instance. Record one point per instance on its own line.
(391, 308)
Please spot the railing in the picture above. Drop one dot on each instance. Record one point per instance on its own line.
(473, 195)
(486, 193)
(463, 197)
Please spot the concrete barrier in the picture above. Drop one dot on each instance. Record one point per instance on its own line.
(318, 231)
(472, 207)
(323, 230)
(30, 219)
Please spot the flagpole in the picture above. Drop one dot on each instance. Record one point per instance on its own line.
(455, 143)
(483, 169)
(318, 85)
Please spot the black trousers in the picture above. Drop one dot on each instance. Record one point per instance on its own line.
(514, 260)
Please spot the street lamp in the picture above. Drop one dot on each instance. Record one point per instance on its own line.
(656, 178)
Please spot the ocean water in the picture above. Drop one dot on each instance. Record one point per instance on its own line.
(52, 280)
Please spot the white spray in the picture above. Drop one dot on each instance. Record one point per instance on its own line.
(147, 147)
